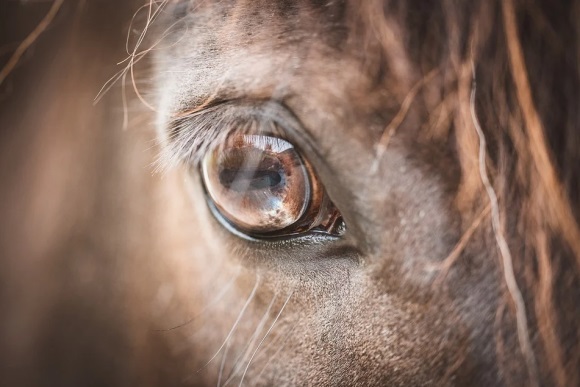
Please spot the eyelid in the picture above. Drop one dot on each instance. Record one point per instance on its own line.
(192, 134)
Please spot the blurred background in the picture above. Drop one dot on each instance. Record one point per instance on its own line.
(78, 230)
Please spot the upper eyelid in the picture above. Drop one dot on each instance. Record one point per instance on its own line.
(191, 134)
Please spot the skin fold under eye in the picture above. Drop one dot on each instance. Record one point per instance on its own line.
(262, 186)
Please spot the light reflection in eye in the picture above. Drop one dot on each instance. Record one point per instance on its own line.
(262, 186)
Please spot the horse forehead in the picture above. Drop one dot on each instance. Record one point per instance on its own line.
(216, 32)
(251, 50)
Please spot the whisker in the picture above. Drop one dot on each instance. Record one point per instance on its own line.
(264, 338)
(208, 306)
(240, 315)
(222, 364)
(280, 348)
(243, 354)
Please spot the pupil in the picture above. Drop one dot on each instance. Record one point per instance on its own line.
(242, 180)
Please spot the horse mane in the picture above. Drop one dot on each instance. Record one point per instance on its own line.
(507, 100)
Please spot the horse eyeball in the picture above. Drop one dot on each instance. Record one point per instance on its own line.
(262, 187)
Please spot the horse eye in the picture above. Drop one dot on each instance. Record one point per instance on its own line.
(262, 187)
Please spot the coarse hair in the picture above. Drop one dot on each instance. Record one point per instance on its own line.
(508, 82)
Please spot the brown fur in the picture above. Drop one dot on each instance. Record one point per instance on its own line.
(114, 276)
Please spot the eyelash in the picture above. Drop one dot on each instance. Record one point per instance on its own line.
(192, 134)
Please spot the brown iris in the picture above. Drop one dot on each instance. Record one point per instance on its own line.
(262, 187)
